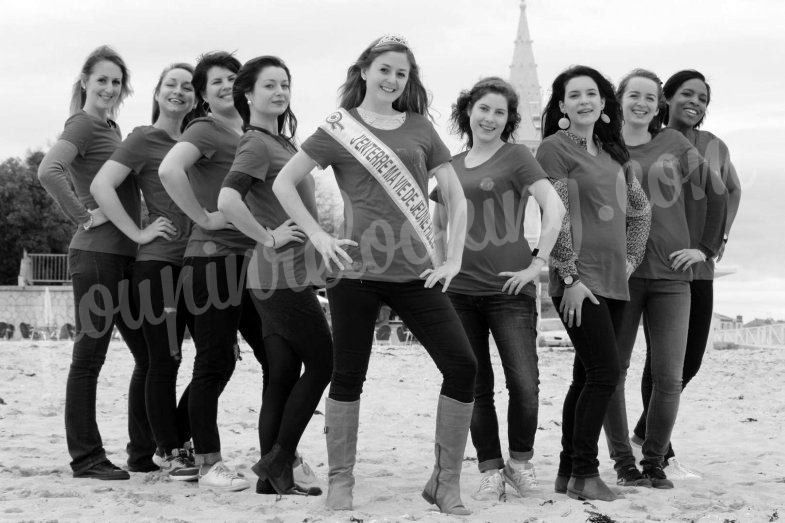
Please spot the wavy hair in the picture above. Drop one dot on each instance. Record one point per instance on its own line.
(459, 117)
(101, 54)
(608, 133)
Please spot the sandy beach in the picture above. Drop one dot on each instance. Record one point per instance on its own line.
(730, 428)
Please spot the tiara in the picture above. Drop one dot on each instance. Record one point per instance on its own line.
(392, 39)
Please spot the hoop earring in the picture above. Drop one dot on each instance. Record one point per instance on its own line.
(604, 117)
(564, 122)
(205, 107)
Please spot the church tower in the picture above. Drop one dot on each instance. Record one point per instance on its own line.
(523, 77)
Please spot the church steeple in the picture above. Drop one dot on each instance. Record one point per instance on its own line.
(523, 77)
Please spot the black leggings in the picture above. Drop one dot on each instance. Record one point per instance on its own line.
(354, 306)
(296, 333)
(701, 309)
(156, 284)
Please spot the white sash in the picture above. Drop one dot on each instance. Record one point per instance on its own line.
(387, 169)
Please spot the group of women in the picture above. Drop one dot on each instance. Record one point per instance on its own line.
(632, 216)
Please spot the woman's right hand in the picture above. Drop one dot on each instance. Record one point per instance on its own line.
(331, 249)
(99, 218)
(572, 302)
(287, 232)
(160, 228)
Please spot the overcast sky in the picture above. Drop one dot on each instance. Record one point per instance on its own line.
(739, 45)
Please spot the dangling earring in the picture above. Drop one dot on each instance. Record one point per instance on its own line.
(604, 117)
(205, 107)
(564, 122)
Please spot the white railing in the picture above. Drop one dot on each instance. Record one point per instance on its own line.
(764, 336)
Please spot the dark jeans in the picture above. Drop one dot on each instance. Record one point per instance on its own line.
(595, 373)
(354, 305)
(512, 320)
(665, 308)
(101, 284)
(701, 309)
(300, 337)
(222, 305)
(165, 316)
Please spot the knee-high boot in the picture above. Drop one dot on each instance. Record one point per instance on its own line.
(341, 420)
(452, 430)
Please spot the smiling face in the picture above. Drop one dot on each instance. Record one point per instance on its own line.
(102, 88)
(271, 94)
(176, 95)
(687, 106)
(582, 103)
(487, 118)
(385, 78)
(218, 92)
(639, 102)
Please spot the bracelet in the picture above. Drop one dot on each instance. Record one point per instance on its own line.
(89, 225)
(536, 255)
(543, 260)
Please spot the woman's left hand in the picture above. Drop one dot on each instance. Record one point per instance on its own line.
(517, 280)
(446, 272)
(684, 259)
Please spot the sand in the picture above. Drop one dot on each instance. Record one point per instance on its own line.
(730, 428)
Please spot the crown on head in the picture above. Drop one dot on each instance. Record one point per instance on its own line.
(392, 39)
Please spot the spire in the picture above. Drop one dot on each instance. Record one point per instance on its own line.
(523, 77)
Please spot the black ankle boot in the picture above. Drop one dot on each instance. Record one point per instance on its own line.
(276, 467)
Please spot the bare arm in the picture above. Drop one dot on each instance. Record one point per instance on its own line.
(285, 188)
(455, 206)
(104, 190)
(175, 180)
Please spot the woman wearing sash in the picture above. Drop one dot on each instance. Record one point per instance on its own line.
(602, 241)
(164, 315)
(666, 164)
(215, 259)
(296, 332)
(100, 260)
(687, 96)
(382, 149)
(494, 293)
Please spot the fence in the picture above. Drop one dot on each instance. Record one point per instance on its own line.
(46, 269)
(764, 336)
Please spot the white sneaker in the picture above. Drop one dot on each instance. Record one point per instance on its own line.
(520, 477)
(491, 486)
(220, 477)
(677, 470)
(303, 474)
(178, 465)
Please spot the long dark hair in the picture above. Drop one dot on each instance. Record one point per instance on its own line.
(674, 83)
(467, 99)
(100, 54)
(608, 133)
(244, 83)
(656, 123)
(156, 108)
(414, 97)
(203, 64)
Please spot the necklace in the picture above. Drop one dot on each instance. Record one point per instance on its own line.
(382, 121)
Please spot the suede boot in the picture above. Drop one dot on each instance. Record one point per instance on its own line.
(452, 430)
(276, 467)
(341, 421)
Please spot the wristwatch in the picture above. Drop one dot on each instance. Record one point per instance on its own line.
(570, 280)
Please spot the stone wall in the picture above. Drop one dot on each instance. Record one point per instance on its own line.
(27, 304)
